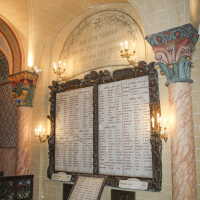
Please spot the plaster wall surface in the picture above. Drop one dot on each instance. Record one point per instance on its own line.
(54, 190)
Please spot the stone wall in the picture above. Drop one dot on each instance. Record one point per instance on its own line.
(151, 23)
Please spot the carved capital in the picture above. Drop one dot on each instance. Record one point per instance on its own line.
(24, 84)
(173, 50)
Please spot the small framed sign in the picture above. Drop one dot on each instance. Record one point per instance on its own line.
(87, 187)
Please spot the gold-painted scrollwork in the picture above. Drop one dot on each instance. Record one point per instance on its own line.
(23, 75)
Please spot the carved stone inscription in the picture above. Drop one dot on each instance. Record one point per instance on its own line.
(87, 188)
(96, 41)
(124, 128)
(74, 131)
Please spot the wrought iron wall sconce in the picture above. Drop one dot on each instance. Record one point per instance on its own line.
(60, 71)
(42, 137)
(158, 129)
(126, 54)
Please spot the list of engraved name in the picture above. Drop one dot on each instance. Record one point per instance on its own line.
(124, 128)
(74, 131)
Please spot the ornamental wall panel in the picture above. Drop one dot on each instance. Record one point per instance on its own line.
(8, 117)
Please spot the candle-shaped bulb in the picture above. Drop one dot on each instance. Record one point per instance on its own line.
(157, 117)
(35, 132)
(121, 46)
(64, 66)
(152, 122)
(59, 64)
(55, 67)
(160, 122)
(43, 132)
(133, 46)
(165, 123)
(39, 130)
(126, 45)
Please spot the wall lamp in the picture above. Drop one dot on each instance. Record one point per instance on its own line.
(157, 130)
(126, 54)
(41, 134)
(59, 70)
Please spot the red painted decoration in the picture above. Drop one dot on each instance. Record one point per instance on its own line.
(177, 34)
(159, 39)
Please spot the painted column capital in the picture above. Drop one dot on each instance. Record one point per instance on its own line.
(24, 84)
(173, 49)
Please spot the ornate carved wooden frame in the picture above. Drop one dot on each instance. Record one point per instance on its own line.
(94, 79)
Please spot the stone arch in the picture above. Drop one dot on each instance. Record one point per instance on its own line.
(12, 41)
(140, 12)
(8, 53)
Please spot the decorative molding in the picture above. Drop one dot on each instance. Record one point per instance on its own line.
(24, 84)
(180, 32)
(23, 75)
(173, 50)
(14, 45)
(94, 79)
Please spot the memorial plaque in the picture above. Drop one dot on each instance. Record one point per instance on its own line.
(87, 188)
(96, 42)
(74, 131)
(124, 128)
(101, 124)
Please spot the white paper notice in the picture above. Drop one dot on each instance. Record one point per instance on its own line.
(133, 184)
(87, 188)
(74, 131)
(124, 128)
(61, 176)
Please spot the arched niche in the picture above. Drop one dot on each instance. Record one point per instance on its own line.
(10, 46)
(105, 26)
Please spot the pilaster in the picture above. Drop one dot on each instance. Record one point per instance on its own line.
(24, 84)
(173, 51)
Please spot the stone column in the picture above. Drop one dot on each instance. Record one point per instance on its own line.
(24, 84)
(173, 50)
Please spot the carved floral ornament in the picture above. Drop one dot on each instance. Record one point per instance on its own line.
(173, 50)
(97, 24)
(22, 75)
(24, 84)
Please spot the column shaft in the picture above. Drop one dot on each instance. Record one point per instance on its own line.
(182, 142)
(23, 140)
